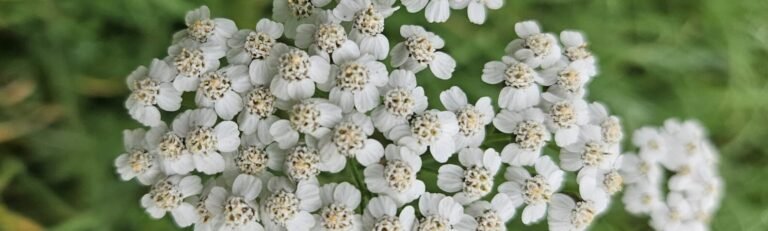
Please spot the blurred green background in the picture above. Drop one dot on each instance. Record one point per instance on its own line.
(63, 64)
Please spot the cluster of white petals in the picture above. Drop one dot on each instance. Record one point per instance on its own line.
(680, 156)
(299, 124)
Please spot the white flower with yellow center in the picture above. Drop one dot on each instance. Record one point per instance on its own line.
(139, 161)
(168, 195)
(476, 9)
(575, 50)
(325, 37)
(293, 13)
(521, 83)
(381, 215)
(339, 202)
(238, 209)
(402, 97)
(367, 17)
(191, 61)
(566, 214)
(256, 49)
(674, 215)
(610, 125)
(421, 50)
(259, 107)
(355, 81)
(302, 162)
(441, 212)
(535, 191)
(437, 11)
(605, 183)
(395, 175)
(530, 135)
(152, 88)
(221, 90)
(349, 139)
(169, 146)
(313, 117)
(637, 170)
(433, 130)
(589, 155)
(471, 119)
(474, 179)
(535, 48)
(290, 206)
(297, 73)
(651, 143)
(566, 116)
(205, 140)
(567, 79)
(493, 215)
(642, 198)
(256, 156)
(205, 31)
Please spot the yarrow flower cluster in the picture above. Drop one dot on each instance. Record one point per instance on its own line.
(694, 187)
(286, 109)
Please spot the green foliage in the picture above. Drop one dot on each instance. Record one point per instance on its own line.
(63, 64)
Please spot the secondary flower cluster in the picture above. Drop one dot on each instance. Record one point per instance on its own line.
(694, 189)
(274, 122)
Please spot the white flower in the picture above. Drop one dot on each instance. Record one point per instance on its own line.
(673, 215)
(256, 49)
(575, 49)
(432, 129)
(472, 181)
(565, 117)
(203, 30)
(139, 161)
(637, 170)
(220, 90)
(421, 49)
(440, 211)
(169, 146)
(395, 176)
(339, 202)
(255, 156)
(610, 125)
(168, 195)
(289, 206)
(605, 183)
(641, 198)
(472, 119)
(381, 214)
(151, 89)
(652, 145)
(314, 117)
(493, 215)
(297, 73)
(296, 12)
(190, 61)
(531, 135)
(533, 191)
(367, 17)
(686, 145)
(437, 10)
(302, 161)
(350, 139)
(325, 37)
(237, 209)
(567, 79)
(476, 8)
(402, 98)
(521, 82)
(355, 81)
(259, 106)
(569, 215)
(533, 47)
(589, 155)
(204, 141)
(206, 220)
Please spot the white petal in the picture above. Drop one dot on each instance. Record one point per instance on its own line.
(438, 11)
(169, 99)
(476, 12)
(246, 186)
(229, 105)
(347, 195)
(414, 6)
(399, 55)
(227, 135)
(273, 29)
(209, 163)
(184, 215)
(453, 99)
(450, 178)
(442, 65)
(534, 213)
(348, 51)
(494, 72)
(320, 69)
